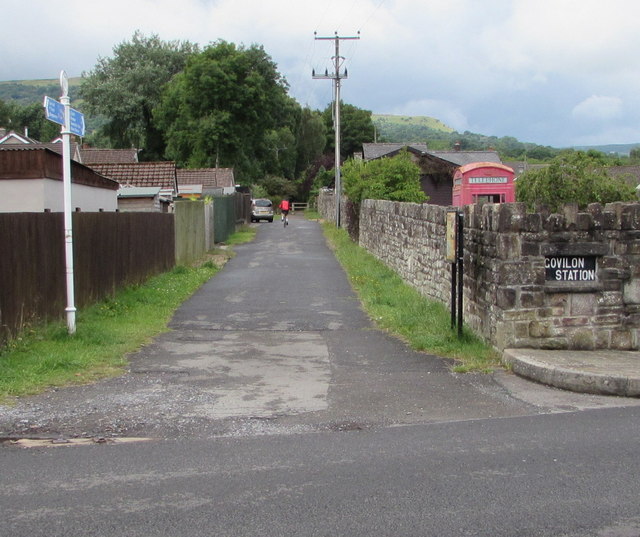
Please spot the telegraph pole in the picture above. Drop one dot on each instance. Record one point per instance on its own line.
(336, 76)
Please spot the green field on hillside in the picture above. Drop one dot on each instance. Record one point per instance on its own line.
(409, 128)
(26, 92)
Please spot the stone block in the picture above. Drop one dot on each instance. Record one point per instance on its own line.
(622, 340)
(630, 216)
(631, 292)
(529, 248)
(508, 246)
(539, 329)
(531, 300)
(506, 298)
(584, 222)
(583, 340)
(532, 223)
(582, 304)
(602, 338)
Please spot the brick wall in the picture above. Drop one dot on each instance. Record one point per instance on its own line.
(510, 298)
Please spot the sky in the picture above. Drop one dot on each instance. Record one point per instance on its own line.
(551, 72)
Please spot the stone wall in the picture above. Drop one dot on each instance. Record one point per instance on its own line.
(511, 260)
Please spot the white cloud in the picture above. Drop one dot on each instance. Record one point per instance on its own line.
(496, 65)
(598, 107)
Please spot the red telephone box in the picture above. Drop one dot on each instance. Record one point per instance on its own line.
(487, 182)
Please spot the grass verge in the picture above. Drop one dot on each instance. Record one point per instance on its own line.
(46, 356)
(398, 308)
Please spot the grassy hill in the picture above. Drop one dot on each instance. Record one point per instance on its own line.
(409, 128)
(25, 92)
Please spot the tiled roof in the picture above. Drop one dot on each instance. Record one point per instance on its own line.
(459, 158)
(160, 174)
(56, 147)
(374, 151)
(108, 156)
(207, 177)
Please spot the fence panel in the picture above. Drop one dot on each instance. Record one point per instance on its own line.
(111, 250)
(190, 231)
(224, 216)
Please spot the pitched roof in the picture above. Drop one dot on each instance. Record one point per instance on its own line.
(461, 158)
(207, 177)
(160, 174)
(373, 151)
(32, 162)
(108, 156)
(11, 137)
(56, 147)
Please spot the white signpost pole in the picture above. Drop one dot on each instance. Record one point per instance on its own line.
(68, 220)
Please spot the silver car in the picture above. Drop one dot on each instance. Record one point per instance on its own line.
(261, 209)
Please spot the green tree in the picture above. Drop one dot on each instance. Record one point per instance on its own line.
(5, 114)
(281, 148)
(356, 128)
(395, 179)
(32, 118)
(311, 139)
(220, 109)
(126, 88)
(572, 177)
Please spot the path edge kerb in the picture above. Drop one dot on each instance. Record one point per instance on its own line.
(568, 378)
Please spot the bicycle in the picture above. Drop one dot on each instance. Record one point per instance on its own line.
(285, 220)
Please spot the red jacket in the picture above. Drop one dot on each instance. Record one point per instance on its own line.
(284, 205)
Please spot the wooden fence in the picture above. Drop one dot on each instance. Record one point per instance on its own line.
(111, 250)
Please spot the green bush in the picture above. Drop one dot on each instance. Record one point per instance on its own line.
(394, 179)
(574, 177)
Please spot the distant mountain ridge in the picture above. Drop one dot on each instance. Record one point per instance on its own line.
(620, 149)
(26, 92)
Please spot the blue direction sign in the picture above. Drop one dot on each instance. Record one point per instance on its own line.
(76, 122)
(54, 111)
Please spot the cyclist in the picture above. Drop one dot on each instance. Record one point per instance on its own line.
(285, 206)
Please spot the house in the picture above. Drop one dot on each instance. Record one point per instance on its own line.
(12, 137)
(437, 167)
(374, 151)
(192, 192)
(142, 174)
(142, 199)
(31, 180)
(214, 181)
(12, 140)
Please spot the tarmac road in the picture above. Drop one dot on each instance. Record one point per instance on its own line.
(277, 343)
(274, 407)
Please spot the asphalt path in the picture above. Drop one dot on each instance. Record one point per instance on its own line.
(275, 407)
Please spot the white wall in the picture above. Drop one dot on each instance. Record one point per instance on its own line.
(36, 195)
